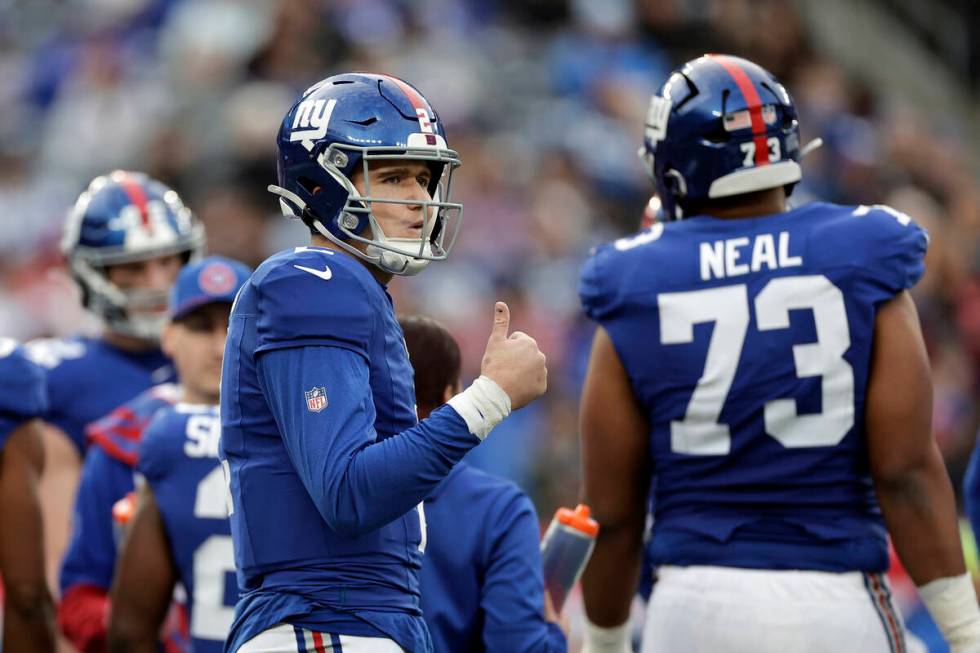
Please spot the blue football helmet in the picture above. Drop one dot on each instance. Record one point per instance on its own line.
(719, 126)
(350, 120)
(125, 217)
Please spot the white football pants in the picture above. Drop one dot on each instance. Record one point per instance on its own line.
(730, 610)
(286, 638)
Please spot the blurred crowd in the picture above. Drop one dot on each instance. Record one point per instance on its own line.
(545, 101)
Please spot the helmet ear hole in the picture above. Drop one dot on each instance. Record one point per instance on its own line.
(308, 184)
(674, 183)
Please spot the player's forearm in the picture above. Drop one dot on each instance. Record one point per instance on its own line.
(28, 619)
(130, 634)
(384, 481)
(920, 511)
(613, 574)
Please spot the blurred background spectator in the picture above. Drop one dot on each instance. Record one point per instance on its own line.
(544, 99)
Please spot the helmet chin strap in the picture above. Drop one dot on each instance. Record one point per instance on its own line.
(399, 263)
(811, 146)
(400, 259)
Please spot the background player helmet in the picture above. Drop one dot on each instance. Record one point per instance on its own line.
(719, 126)
(347, 121)
(124, 217)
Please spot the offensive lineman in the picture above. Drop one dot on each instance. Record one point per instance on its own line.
(125, 240)
(765, 365)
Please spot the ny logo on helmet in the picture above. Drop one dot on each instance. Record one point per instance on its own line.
(310, 123)
(657, 116)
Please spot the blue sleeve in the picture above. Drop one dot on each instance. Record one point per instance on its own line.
(894, 247)
(597, 299)
(154, 455)
(91, 555)
(971, 492)
(358, 484)
(58, 358)
(23, 394)
(513, 588)
(296, 308)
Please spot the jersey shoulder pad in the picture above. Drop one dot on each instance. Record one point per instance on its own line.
(315, 296)
(119, 432)
(891, 247)
(598, 288)
(51, 353)
(160, 446)
(23, 392)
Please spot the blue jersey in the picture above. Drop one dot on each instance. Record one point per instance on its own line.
(327, 462)
(748, 343)
(178, 457)
(107, 477)
(22, 389)
(88, 377)
(971, 491)
(482, 583)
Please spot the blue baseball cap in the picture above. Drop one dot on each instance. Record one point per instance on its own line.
(211, 280)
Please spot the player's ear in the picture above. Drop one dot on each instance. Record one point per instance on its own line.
(451, 390)
(168, 339)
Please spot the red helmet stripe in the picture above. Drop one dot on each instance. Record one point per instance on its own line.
(137, 196)
(413, 96)
(417, 102)
(751, 96)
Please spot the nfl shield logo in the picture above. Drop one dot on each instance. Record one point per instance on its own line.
(316, 399)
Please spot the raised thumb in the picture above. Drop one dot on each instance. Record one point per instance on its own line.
(501, 321)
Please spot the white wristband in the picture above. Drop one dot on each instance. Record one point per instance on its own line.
(482, 406)
(606, 640)
(952, 602)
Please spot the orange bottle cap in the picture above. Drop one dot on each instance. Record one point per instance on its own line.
(580, 519)
(124, 509)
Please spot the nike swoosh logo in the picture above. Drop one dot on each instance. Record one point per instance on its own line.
(324, 274)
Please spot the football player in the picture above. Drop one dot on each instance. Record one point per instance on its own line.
(482, 583)
(202, 291)
(107, 477)
(328, 463)
(180, 530)
(125, 240)
(766, 364)
(28, 612)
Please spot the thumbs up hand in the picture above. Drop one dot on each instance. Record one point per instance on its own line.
(514, 361)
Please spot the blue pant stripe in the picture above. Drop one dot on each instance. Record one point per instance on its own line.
(300, 639)
(335, 646)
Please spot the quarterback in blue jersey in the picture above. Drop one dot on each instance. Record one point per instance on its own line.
(482, 583)
(765, 366)
(180, 530)
(328, 464)
(124, 241)
(28, 612)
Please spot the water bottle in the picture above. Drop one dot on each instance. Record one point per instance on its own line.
(122, 513)
(565, 550)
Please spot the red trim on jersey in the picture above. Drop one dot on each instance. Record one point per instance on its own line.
(318, 642)
(754, 103)
(123, 423)
(137, 196)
